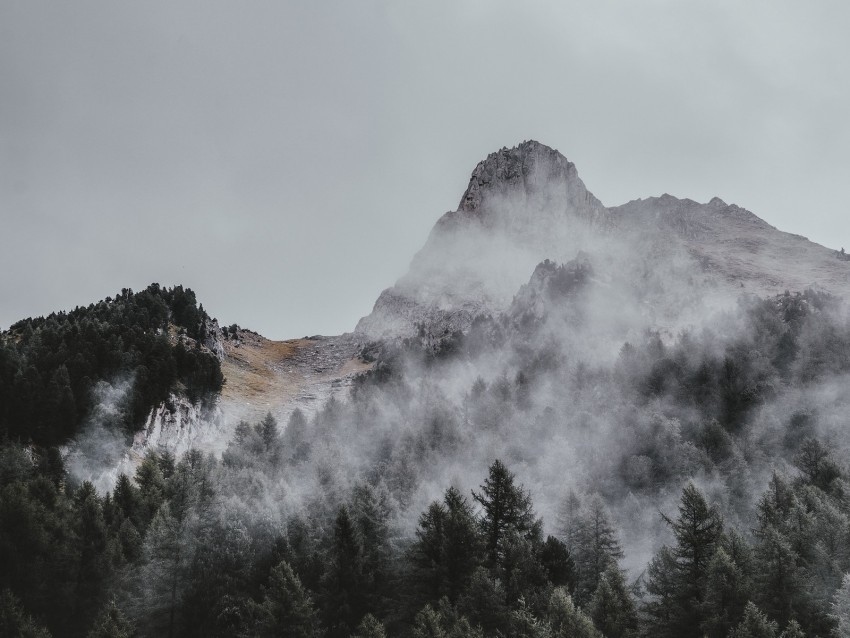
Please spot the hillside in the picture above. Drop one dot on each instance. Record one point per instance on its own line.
(565, 420)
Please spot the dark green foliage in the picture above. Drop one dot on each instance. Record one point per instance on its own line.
(677, 576)
(343, 586)
(447, 548)
(611, 608)
(727, 591)
(507, 511)
(287, 609)
(370, 627)
(595, 546)
(566, 620)
(50, 367)
(111, 623)
(332, 497)
(754, 625)
(14, 621)
(559, 565)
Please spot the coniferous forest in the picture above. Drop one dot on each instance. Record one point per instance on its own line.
(493, 483)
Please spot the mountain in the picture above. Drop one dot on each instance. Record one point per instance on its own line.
(620, 422)
(527, 204)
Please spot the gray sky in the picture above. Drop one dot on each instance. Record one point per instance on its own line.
(286, 159)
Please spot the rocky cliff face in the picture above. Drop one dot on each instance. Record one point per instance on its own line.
(670, 258)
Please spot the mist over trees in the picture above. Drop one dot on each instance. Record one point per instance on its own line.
(524, 478)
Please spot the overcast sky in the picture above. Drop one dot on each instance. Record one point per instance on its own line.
(286, 160)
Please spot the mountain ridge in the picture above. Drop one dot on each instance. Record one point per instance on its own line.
(527, 204)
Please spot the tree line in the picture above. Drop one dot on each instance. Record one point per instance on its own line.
(51, 367)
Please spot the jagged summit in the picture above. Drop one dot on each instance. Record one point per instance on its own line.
(514, 185)
(526, 204)
(528, 166)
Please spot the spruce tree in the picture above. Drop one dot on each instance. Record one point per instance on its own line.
(755, 624)
(342, 586)
(611, 608)
(507, 509)
(287, 609)
(111, 623)
(567, 620)
(596, 546)
(727, 591)
(370, 627)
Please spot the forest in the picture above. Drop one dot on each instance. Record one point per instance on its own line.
(51, 367)
(502, 482)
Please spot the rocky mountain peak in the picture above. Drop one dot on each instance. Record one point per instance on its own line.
(526, 179)
(525, 167)
(527, 204)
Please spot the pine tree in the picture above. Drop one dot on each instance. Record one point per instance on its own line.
(754, 625)
(596, 546)
(662, 585)
(91, 549)
(566, 620)
(370, 627)
(727, 591)
(14, 621)
(698, 530)
(558, 563)
(287, 609)
(343, 595)
(778, 579)
(793, 630)
(841, 608)
(611, 608)
(524, 624)
(447, 548)
(370, 511)
(111, 623)
(507, 509)
(443, 621)
(295, 439)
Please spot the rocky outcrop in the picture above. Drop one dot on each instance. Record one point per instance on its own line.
(522, 205)
(213, 338)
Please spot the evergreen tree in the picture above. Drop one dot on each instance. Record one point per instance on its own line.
(611, 608)
(111, 623)
(727, 591)
(677, 586)
(91, 549)
(507, 509)
(662, 585)
(524, 624)
(447, 548)
(841, 608)
(267, 429)
(443, 621)
(793, 630)
(370, 627)
(596, 546)
(370, 510)
(566, 620)
(14, 621)
(754, 625)
(295, 437)
(342, 586)
(287, 609)
(559, 565)
(779, 585)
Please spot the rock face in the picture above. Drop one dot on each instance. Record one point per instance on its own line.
(672, 257)
(213, 340)
(522, 205)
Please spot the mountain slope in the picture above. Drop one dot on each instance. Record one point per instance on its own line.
(527, 204)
